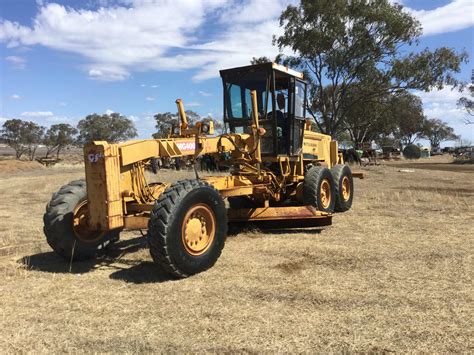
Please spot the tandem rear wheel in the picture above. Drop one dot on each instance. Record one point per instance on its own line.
(343, 188)
(329, 190)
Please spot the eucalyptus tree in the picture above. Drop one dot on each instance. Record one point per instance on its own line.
(340, 43)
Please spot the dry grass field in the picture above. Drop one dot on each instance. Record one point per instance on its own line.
(394, 274)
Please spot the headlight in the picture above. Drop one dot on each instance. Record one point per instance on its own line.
(176, 130)
(205, 128)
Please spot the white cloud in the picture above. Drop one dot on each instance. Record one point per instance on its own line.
(108, 74)
(14, 97)
(63, 104)
(150, 98)
(153, 86)
(446, 95)
(252, 11)
(192, 104)
(457, 15)
(17, 62)
(109, 111)
(124, 36)
(442, 104)
(114, 39)
(37, 114)
(204, 93)
(59, 119)
(118, 39)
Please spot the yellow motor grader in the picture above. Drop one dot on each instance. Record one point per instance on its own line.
(280, 170)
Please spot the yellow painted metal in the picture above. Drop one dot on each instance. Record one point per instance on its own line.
(238, 185)
(325, 193)
(137, 151)
(346, 188)
(115, 172)
(211, 127)
(317, 146)
(80, 225)
(105, 204)
(256, 127)
(182, 114)
(198, 229)
(120, 197)
(333, 154)
(299, 214)
(287, 70)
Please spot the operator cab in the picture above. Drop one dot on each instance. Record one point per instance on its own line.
(281, 94)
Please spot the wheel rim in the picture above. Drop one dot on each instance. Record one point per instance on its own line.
(199, 229)
(325, 193)
(346, 188)
(80, 226)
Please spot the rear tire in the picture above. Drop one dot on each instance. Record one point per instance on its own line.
(318, 189)
(344, 187)
(58, 225)
(187, 228)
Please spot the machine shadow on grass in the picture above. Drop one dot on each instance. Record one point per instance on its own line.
(129, 270)
(135, 270)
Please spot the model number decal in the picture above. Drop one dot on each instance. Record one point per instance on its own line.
(186, 146)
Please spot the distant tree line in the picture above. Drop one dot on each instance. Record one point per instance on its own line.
(24, 137)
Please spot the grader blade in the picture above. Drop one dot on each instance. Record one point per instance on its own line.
(291, 216)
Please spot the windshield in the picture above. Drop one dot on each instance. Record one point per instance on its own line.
(238, 104)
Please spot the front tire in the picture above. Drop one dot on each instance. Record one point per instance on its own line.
(64, 225)
(187, 228)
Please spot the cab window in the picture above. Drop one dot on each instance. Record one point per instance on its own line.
(299, 99)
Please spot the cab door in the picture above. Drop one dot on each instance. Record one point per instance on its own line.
(298, 99)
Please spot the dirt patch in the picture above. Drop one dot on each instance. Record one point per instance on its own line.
(14, 166)
(450, 191)
(436, 163)
(452, 167)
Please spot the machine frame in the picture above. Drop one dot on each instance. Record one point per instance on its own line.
(272, 183)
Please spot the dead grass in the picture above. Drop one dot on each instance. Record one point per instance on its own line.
(392, 274)
(10, 166)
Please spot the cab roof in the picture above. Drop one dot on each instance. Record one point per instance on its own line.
(267, 66)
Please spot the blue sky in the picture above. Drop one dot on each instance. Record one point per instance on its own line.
(61, 60)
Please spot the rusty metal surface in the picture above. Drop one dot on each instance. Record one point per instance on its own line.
(275, 213)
